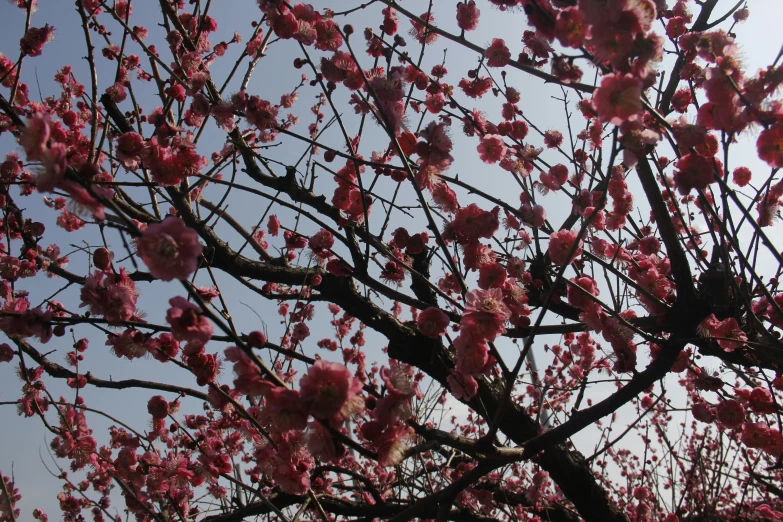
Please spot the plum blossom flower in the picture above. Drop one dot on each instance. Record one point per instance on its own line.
(491, 275)
(725, 331)
(329, 389)
(110, 295)
(391, 444)
(487, 302)
(397, 379)
(560, 244)
(249, 380)
(570, 27)
(703, 412)
(730, 414)
(467, 15)
(492, 148)
(553, 138)
(759, 435)
(6, 353)
(170, 249)
(462, 387)
(319, 442)
(432, 322)
(741, 176)
(421, 33)
(35, 136)
(770, 145)
(472, 356)
(485, 315)
(471, 223)
(618, 99)
(321, 242)
(35, 38)
(158, 407)
(694, 171)
(497, 54)
(187, 321)
(129, 147)
(285, 409)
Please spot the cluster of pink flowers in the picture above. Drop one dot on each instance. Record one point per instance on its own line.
(33, 41)
(483, 320)
(112, 295)
(170, 249)
(387, 430)
(728, 334)
(347, 196)
(733, 414)
(188, 322)
(328, 393)
(45, 141)
(170, 162)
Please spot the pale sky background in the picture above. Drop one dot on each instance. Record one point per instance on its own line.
(24, 441)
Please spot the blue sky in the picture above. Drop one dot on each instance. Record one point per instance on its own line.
(24, 439)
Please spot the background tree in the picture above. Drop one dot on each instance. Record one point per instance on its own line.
(362, 281)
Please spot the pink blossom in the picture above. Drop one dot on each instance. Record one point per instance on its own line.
(497, 54)
(485, 315)
(694, 171)
(432, 322)
(467, 15)
(703, 412)
(390, 21)
(285, 409)
(741, 176)
(570, 27)
(35, 38)
(187, 321)
(491, 275)
(6, 353)
(759, 435)
(769, 145)
(618, 99)
(329, 389)
(420, 32)
(761, 401)
(471, 223)
(112, 296)
(249, 380)
(487, 302)
(129, 147)
(472, 356)
(578, 293)
(130, 344)
(319, 442)
(158, 407)
(553, 138)
(391, 444)
(19, 320)
(462, 387)
(730, 414)
(35, 136)
(321, 242)
(300, 332)
(170, 249)
(397, 379)
(492, 148)
(273, 225)
(560, 244)
(725, 331)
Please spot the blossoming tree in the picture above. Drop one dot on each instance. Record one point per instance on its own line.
(432, 340)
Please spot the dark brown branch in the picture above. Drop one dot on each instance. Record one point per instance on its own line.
(60, 372)
(664, 106)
